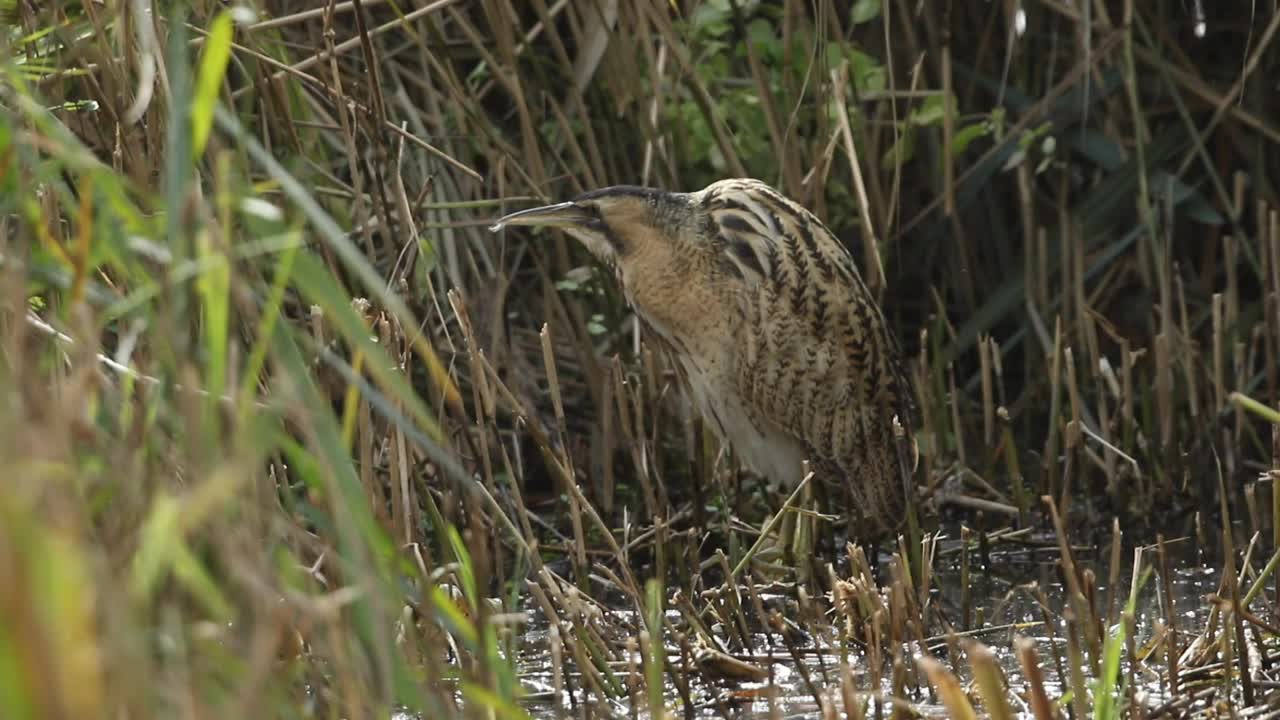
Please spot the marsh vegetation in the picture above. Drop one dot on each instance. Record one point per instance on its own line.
(288, 433)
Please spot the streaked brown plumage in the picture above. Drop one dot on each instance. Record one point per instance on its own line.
(780, 344)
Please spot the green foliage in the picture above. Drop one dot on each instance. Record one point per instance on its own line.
(720, 55)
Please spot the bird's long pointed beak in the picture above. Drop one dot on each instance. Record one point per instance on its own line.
(558, 215)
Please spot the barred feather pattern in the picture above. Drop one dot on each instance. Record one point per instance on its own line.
(814, 358)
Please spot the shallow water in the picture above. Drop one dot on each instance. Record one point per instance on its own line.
(1002, 595)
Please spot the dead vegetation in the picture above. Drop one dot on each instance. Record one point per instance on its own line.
(289, 433)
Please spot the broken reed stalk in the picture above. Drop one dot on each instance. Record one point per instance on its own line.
(1074, 428)
(1048, 483)
(570, 476)
(965, 611)
(990, 680)
(1113, 579)
(988, 395)
(1233, 591)
(1028, 659)
(1013, 466)
(957, 426)
(1075, 592)
(948, 688)
(1271, 300)
(1075, 665)
(1172, 649)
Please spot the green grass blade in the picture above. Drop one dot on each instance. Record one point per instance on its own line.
(209, 75)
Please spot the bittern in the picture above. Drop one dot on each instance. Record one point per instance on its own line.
(772, 330)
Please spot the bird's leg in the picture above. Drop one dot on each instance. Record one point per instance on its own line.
(871, 548)
(822, 499)
(856, 520)
(833, 538)
(853, 516)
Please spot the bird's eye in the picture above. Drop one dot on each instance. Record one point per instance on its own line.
(597, 218)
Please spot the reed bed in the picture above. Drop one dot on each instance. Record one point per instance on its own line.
(289, 433)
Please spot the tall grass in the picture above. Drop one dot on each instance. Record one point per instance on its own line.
(191, 525)
(288, 433)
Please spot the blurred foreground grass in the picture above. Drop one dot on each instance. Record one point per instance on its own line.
(185, 528)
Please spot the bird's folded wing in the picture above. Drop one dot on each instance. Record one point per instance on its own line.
(835, 386)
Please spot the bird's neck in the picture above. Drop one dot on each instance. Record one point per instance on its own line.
(672, 294)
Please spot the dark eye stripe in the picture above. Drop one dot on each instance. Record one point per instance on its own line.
(613, 238)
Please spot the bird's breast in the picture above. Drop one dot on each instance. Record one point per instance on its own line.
(757, 440)
(705, 331)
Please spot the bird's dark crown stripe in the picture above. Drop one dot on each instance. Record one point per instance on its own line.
(620, 190)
